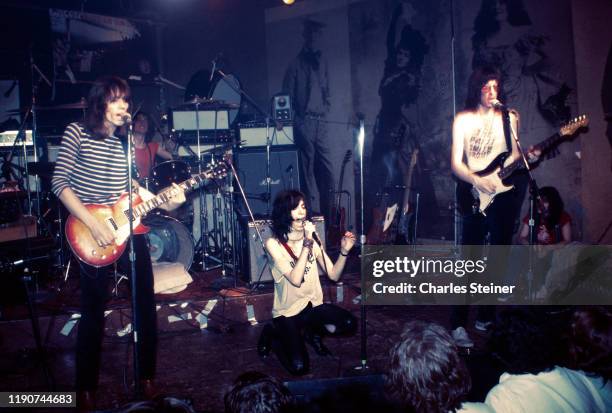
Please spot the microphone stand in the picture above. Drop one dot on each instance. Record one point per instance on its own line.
(241, 91)
(533, 213)
(132, 260)
(362, 240)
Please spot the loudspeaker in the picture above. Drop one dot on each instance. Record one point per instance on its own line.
(254, 262)
(284, 174)
(357, 393)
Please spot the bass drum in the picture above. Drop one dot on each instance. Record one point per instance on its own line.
(226, 90)
(169, 240)
(167, 173)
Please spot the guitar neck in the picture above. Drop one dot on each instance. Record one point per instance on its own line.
(543, 146)
(546, 144)
(187, 186)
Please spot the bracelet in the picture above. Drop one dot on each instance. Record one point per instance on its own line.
(308, 243)
(344, 255)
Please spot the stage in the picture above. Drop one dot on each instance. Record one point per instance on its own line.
(207, 337)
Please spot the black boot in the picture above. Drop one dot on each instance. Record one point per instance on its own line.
(264, 345)
(316, 342)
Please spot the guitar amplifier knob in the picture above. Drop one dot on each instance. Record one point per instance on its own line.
(103, 256)
(114, 251)
(93, 252)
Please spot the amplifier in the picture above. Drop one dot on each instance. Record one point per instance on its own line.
(254, 134)
(255, 262)
(208, 137)
(8, 137)
(186, 120)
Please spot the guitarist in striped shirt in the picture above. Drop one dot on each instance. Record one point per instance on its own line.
(479, 138)
(91, 168)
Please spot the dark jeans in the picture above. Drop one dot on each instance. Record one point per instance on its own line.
(316, 162)
(94, 294)
(287, 334)
(499, 225)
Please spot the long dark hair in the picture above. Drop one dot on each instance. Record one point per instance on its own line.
(101, 93)
(151, 127)
(284, 203)
(479, 77)
(555, 206)
(590, 341)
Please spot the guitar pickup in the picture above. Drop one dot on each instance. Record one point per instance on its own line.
(112, 223)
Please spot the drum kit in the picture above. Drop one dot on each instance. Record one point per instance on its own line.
(203, 233)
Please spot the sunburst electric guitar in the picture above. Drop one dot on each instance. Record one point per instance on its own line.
(500, 173)
(115, 217)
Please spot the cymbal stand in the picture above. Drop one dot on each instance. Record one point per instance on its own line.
(203, 209)
(249, 210)
(41, 77)
(238, 89)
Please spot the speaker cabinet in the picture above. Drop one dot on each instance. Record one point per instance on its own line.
(254, 263)
(284, 174)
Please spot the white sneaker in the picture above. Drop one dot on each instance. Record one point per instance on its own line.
(461, 338)
(483, 325)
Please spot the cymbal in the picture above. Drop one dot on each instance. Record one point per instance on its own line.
(41, 168)
(206, 104)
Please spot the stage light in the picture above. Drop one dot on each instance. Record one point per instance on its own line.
(288, 2)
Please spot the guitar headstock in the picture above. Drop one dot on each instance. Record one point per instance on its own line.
(572, 126)
(216, 171)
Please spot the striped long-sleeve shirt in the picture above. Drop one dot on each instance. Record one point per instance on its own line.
(95, 169)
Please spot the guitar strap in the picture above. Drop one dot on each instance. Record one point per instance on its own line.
(507, 130)
(290, 251)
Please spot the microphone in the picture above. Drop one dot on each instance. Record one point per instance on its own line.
(315, 236)
(127, 119)
(497, 104)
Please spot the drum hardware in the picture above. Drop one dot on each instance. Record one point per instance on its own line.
(169, 172)
(169, 241)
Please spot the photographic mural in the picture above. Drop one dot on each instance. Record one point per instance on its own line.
(402, 66)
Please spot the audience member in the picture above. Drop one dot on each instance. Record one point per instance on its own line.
(529, 345)
(590, 349)
(426, 373)
(255, 392)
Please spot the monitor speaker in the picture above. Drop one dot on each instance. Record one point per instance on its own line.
(284, 174)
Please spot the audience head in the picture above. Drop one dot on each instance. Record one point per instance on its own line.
(255, 392)
(426, 373)
(526, 340)
(590, 341)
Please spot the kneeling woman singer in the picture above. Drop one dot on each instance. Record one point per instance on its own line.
(299, 314)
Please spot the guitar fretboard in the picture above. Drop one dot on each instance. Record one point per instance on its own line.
(144, 208)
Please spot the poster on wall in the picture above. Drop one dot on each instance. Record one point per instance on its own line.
(312, 65)
(403, 66)
(401, 62)
(87, 45)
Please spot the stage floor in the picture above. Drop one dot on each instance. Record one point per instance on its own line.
(207, 338)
